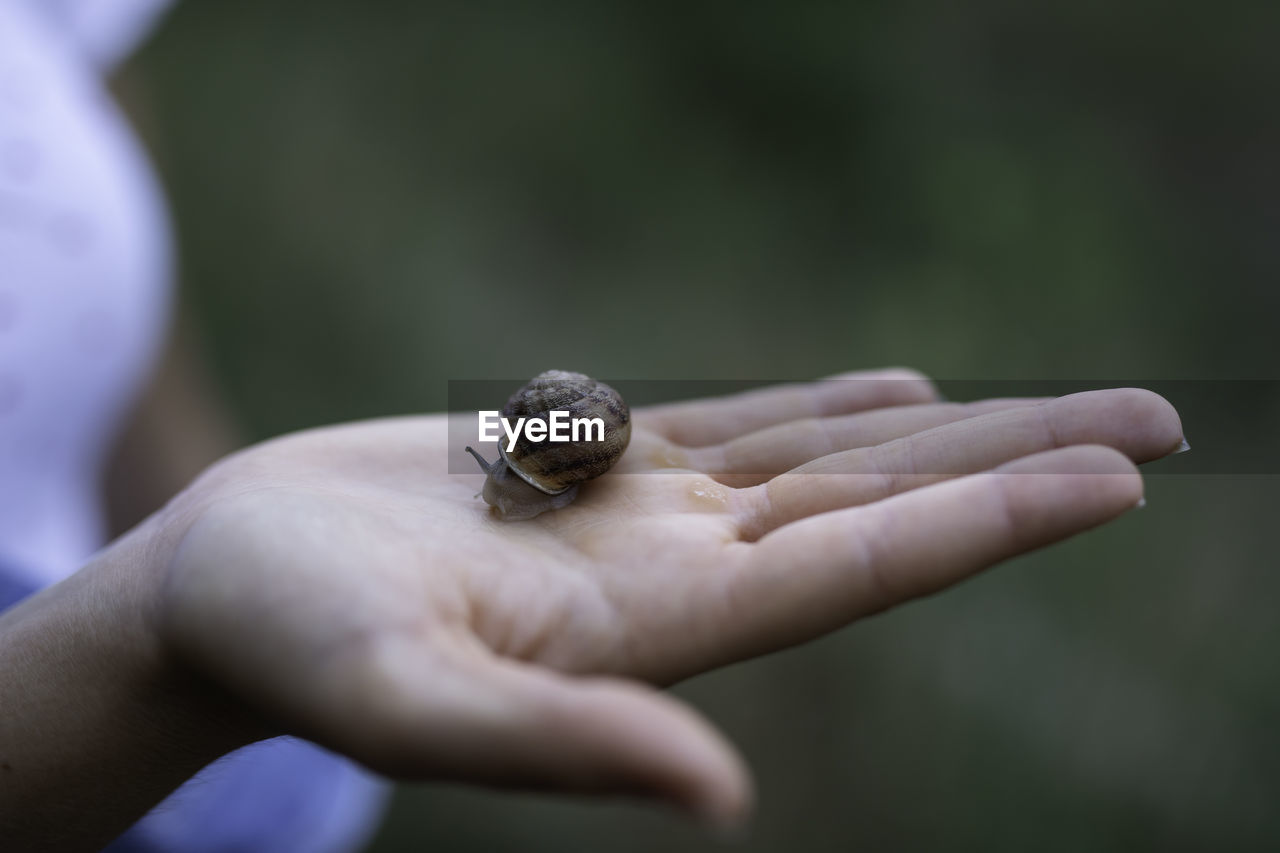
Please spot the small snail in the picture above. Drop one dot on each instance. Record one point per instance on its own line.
(537, 476)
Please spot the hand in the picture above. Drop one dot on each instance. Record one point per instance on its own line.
(343, 585)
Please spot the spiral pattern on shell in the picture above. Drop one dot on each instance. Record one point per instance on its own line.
(553, 467)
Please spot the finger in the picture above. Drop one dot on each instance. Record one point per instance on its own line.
(757, 456)
(701, 422)
(474, 717)
(1138, 423)
(815, 575)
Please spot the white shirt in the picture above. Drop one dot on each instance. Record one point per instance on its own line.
(85, 271)
(86, 266)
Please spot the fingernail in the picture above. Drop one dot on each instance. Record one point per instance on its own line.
(728, 827)
(1142, 501)
(1183, 448)
(731, 832)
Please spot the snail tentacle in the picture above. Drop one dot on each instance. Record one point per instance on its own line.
(484, 466)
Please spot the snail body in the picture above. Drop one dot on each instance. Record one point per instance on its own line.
(536, 476)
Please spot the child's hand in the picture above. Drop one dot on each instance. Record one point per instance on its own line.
(343, 585)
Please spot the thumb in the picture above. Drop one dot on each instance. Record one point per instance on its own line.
(469, 715)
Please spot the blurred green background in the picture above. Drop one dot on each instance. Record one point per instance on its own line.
(372, 199)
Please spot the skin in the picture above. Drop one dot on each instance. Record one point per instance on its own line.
(341, 585)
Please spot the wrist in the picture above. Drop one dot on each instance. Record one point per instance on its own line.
(101, 720)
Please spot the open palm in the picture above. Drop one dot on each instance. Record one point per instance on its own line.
(343, 584)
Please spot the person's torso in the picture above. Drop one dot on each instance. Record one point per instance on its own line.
(84, 279)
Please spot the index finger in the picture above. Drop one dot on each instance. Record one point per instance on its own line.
(818, 574)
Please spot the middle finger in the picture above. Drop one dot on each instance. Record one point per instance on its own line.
(765, 453)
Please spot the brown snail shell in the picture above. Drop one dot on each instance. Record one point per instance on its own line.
(552, 467)
(538, 476)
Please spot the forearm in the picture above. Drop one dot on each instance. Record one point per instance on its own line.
(98, 723)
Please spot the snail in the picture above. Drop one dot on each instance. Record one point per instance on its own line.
(536, 476)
